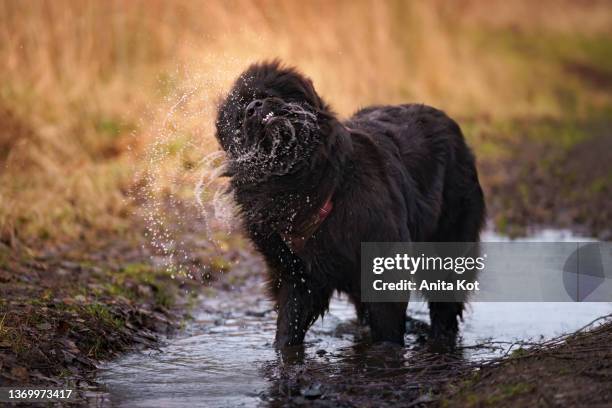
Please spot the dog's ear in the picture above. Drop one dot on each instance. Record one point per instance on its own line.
(220, 122)
(224, 134)
(320, 104)
(313, 93)
(227, 122)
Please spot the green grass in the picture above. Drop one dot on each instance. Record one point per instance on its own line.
(104, 314)
(164, 296)
(599, 185)
(518, 353)
(128, 282)
(508, 391)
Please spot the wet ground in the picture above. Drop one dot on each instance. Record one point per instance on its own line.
(226, 358)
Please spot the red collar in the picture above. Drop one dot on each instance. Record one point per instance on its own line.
(297, 241)
(326, 209)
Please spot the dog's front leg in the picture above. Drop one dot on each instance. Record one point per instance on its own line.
(298, 308)
(388, 321)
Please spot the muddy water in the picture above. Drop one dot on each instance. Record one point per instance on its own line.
(225, 358)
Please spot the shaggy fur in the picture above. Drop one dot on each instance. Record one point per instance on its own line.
(394, 173)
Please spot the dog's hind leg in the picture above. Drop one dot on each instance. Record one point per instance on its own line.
(444, 322)
(466, 227)
(360, 309)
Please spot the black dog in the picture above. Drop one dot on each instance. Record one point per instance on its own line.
(311, 188)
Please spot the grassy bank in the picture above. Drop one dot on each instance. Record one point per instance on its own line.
(88, 87)
(63, 309)
(569, 371)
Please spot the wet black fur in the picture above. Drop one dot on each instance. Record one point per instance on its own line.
(397, 173)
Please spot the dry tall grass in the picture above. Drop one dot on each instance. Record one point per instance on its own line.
(85, 82)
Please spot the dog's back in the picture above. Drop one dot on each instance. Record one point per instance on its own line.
(434, 152)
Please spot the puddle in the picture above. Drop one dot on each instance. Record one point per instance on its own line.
(226, 357)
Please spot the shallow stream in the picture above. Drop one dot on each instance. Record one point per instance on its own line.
(225, 357)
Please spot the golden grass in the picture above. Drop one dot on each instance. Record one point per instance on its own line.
(92, 91)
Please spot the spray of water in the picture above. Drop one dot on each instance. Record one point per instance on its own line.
(188, 212)
(219, 209)
(182, 198)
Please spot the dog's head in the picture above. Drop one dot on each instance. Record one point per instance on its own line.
(269, 123)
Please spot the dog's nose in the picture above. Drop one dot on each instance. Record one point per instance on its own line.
(253, 106)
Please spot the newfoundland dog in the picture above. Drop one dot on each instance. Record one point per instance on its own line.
(311, 188)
